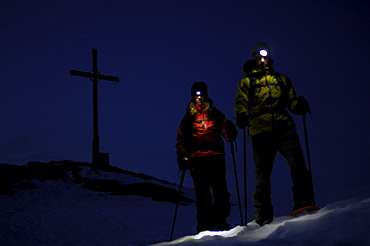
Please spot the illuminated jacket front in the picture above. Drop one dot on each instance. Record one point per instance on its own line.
(199, 135)
(265, 96)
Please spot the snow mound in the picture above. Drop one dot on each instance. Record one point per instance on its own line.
(98, 178)
(77, 204)
(341, 223)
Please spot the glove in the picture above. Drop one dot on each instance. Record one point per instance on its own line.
(183, 162)
(302, 106)
(231, 131)
(242, 120)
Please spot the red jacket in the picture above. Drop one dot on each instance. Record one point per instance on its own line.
(200, 135)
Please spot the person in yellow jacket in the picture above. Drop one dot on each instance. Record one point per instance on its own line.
(262, 102)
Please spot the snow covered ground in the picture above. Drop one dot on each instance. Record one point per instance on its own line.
(342, 223)
(63, 212)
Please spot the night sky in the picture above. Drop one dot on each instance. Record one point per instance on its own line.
(158, 49)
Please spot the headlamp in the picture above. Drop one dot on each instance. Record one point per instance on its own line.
(198, 93)
(264, 53)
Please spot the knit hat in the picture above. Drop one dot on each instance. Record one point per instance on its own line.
(199, 86)
(260, 45)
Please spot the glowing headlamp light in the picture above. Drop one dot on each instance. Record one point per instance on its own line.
(198, 93)
(264, 53)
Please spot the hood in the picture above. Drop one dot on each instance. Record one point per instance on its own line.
(250, 68)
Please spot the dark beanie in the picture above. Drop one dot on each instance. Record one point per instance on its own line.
(199, 86)
(259, 46)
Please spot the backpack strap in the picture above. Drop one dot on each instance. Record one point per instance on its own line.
(251, 92)
(284, 91)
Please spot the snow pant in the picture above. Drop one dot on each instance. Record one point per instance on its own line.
(265, 147)
(209, 173)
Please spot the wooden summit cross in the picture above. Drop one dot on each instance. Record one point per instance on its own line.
(97, 157)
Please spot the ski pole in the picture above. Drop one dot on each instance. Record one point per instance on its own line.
(178, 201)
(308, 156)
(236, 182)
(245, 174)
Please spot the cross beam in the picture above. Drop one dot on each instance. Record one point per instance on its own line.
(95, 76)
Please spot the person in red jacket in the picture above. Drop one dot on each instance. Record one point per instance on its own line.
(200, 149)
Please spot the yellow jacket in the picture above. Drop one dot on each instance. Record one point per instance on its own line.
(265, 96)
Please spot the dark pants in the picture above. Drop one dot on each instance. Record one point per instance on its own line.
(209, 173)
(265, 148)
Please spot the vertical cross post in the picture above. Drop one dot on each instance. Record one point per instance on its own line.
(95, 143)
(95, 76)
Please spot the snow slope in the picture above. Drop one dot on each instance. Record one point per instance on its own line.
(64, 210)
(342, 223)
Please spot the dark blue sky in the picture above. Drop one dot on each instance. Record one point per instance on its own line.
(158, 49)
